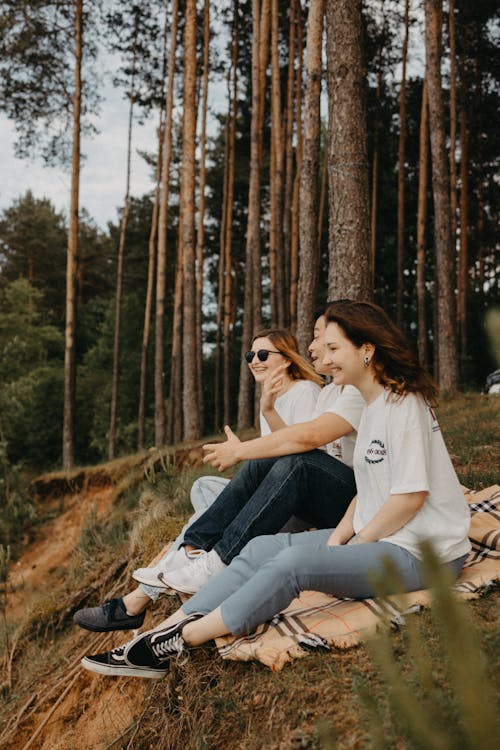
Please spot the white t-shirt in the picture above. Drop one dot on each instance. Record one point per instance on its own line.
(295, 405)
(348, 403)
(400, 449)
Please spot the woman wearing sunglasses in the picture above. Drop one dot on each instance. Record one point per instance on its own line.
(289, 390)
(289, 385)
(408, 492)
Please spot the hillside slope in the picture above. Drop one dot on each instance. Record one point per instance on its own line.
(99, 524)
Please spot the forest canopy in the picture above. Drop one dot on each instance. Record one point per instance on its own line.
(356, 153)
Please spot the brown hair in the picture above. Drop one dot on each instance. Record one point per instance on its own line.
(395, 365)
(286, 343)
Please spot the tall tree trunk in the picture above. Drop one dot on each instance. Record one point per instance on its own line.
(453, 121)
(228, 263)
(200, 238)
(464, 191)
(423, 167)
(294, 261)
(308, 200)
(401, 178)
(148, 307)
(288, 186)
(161, 261)
(349, 243)
(68, 454)
(121, 252)
(374, 190)
(192, 427)
(276, 179)
(175, 421)
(219, 337)
(252, 298)
(445, 258)
(323, 166)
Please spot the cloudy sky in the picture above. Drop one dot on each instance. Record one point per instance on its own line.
(104, 170)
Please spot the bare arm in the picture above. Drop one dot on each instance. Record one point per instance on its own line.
(397, 511)
(345, 529)
(296, 438)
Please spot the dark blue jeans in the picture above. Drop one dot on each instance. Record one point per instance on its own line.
(266, 492)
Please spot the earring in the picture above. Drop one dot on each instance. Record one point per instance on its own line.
(367, 360)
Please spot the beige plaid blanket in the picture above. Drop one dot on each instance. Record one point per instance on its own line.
(316, 620)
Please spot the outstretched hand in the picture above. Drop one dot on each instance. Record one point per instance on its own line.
(222, 455)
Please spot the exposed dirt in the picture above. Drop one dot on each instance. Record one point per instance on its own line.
(47, 557)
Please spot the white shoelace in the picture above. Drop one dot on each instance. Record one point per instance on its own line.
(172, 644)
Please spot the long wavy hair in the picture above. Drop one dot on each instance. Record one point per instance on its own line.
(286, 343)
(395, 365)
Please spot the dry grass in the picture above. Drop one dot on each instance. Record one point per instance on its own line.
(208, 703)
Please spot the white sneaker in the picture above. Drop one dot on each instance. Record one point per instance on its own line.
(192, 577)
(154, 575)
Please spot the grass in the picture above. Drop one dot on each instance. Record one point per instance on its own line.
(340, 699)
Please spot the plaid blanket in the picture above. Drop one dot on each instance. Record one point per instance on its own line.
(317, 620)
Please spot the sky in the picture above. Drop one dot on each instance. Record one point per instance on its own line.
(102, 187)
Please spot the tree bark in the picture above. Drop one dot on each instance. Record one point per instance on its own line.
(423, 167)
(308, 196)
(175, 419)
(68, 454)
(401, 178)
(121, 252)
(464, 191)
(252, 293)
(148, 307)
(445, 258)
(349, 242)
(219, 335)
(374, 190)
(192, 427)
(159, 380)
(289, 171)
(228, 263)
(453, 121)
(294, 261)
(276, 180)
(200, 238)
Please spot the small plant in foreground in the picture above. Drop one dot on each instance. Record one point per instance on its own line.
(441, 703)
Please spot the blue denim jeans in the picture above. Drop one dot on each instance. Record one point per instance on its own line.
(273, 570)
(266, 492)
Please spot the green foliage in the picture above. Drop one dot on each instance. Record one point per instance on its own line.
(31, 353)
(37, 48)
(16, 509)
(434, 707)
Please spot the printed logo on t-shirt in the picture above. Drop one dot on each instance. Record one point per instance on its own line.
(376, 452)
(435, 423)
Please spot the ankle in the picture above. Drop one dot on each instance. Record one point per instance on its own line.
(135, 604)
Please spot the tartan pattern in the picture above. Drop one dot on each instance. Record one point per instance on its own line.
(316, 620)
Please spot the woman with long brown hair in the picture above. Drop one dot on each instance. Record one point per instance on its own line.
(408, 492)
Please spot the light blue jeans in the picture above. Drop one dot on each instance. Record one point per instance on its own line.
(272, 570)
(204, 492)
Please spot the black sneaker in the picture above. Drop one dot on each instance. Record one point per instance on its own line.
(109, 616)
(153, 649)
(113, 663)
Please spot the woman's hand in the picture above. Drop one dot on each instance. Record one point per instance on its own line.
(271, 387)
(223, 455)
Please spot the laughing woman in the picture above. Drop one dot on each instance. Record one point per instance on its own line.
(289, 391)
(407, 492)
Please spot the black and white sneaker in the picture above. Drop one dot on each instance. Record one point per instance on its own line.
(151, 651)
(113, 663)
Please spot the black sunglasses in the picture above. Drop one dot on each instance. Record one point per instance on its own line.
(262, 354)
